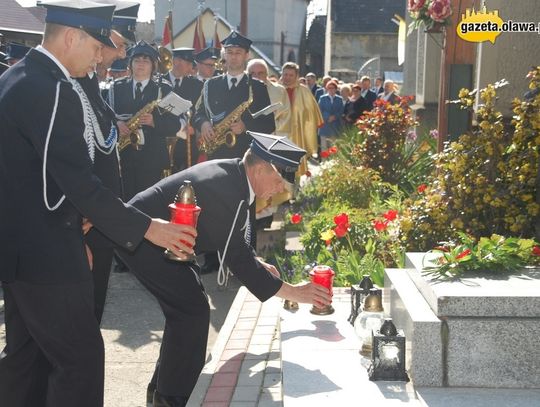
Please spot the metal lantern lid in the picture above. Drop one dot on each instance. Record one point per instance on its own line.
(186, 194)
(373, 302)
(388, 328)
(366, 282)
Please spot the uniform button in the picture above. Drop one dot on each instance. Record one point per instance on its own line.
(68, 223)
(129, 245)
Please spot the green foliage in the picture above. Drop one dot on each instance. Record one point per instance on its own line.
(495, 254)
(485, 182)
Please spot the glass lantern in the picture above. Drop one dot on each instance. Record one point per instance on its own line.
(388, 354)
(369, 320)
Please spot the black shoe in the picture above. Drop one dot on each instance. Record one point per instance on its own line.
(168, 401)
(211, 263)
(150, 390)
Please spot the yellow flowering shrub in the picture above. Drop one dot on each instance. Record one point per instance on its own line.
(486, 181)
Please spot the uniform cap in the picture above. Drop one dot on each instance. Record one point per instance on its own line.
(15, 51)
(120, 65)
(207, 53)
(183, 53)
(143, 48)
(235, 39)
(279, 151)
(91, 17)
(125, 19)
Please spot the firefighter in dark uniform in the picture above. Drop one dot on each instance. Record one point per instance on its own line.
(142, 163)
(221, 95)
(188, 87)
(226, 191)
(106, 165)
(47, 183)
(206, 60)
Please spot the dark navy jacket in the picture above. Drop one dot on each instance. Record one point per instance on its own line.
(37, 244)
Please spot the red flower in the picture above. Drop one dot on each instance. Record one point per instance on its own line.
(341, 230)
(391, 215)
(332, 150)
(328, 242)
(342, 219)
(416, 5)
(421, 188)
(325, 154)
(464, 253)
(308, 174)
(439, 10)
(296, 218)
(536, 251)
(379, 225)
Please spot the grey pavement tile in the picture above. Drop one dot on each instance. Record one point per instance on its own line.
(253, 365)
(251, 379)
(246, 393)
(272, 380)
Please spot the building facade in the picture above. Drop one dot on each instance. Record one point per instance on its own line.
(275, 27)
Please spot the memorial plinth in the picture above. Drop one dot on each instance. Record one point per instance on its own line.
(477, 331)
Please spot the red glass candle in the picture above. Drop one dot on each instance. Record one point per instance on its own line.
(184, 211)
(322, 275)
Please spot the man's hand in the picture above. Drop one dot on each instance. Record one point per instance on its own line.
(207, 132)
(238, 127)
(305, 292)
(331, 118)
(90, 256)
(147, 119)
(86, 226)
(179, 239)
(123, 128)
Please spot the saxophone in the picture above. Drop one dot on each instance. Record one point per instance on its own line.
(222, 131)
(133, 125)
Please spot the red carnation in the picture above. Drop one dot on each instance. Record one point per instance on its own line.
(325, 154)
(536, 251)
(391, 215)
(421, 188)
(379, 225)
(332, 150)
(464, 253)
(308, 174)
(296, 218)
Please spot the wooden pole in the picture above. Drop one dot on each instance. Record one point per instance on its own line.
(243, 17)
(171, 29)
(454, 51)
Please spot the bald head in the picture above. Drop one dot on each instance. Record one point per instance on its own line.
(258, 69)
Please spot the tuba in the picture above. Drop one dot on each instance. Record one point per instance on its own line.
(223, 134)
(165, 60)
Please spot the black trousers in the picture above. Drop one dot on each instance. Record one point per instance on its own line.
(54, 355)
(101, 272)
(184, 303)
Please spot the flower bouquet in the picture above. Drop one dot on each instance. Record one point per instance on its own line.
(433, 14)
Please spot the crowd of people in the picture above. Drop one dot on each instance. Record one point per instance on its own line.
(89, 163)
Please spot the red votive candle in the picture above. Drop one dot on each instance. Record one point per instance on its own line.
(322, 275)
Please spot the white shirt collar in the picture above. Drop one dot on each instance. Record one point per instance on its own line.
(173, 79)
(238, 79)
(251, 192)
(364, 93)
(143, 84)
(54, 59)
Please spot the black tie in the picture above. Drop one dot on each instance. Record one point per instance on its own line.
(176, 84)
(233, 83)
(138, 92)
